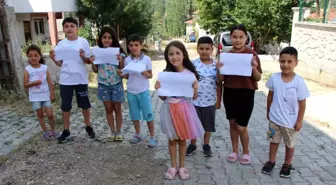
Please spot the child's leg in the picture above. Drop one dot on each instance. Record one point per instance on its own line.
(207, 136)
(87, 116)
(118, 113)
(40, 117)
(273, 151)
(234, 136)
(51, 118)
(82, 96)
(244, 138)
(289, 136)
(289, 155)
(134, 110)
(172, 152)
(109, 115)
(66, 92)
(147, 111)
(194, 141)
(182, 152)
(151, 128)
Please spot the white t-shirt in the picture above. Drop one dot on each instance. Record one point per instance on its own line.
(285, 106)
(74, 72)
(137, 83)
(207, 90)
(39, 92)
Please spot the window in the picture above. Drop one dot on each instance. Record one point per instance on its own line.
(39, 26)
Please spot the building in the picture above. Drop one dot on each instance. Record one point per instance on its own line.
(192, 26)
(40, 19)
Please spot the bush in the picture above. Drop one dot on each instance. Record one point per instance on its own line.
(44, 45)
(86, 32)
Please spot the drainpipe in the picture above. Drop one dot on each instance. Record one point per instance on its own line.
(326, 3)
(301, 10)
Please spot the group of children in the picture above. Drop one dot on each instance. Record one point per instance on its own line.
(181, 118)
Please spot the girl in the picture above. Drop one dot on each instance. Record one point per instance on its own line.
(41, 90)
(110, 87)
(238, 96)
(179, 120)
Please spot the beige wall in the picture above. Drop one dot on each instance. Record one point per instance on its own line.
(316, 44)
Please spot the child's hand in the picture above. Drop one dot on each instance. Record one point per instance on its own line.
(37, 82)
(267, 116)
(145, 73)
(218, 104)
(52, 54)
(119, 57)
(254, 62)
(119, 72)
(195, 84)
(82, 54)
(52, 97)
(157, 85)
(92, 59)
(298, 126)
(219, 65)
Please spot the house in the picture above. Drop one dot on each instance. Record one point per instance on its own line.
(40, 19)
(193, 26)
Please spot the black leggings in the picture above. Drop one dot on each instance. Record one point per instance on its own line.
(238, 104)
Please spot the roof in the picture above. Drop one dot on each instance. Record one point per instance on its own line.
(332, 14)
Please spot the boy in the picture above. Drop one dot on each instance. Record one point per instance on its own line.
(73, 77)
(205, 104)
(138, 95)
(286, 104)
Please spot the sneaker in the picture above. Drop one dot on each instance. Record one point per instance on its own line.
(54, 134)
(268, 168)
(286, 170)
(191, 149)
(151, 142)
(46, 135)
(207, 150)
(90, 132)
(136, 139)
(63, 137)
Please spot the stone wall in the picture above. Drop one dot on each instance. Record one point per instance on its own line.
(316, 44)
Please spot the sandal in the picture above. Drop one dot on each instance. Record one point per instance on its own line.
(233, 157)
(246, 159)
(184, 174)
(171, 173)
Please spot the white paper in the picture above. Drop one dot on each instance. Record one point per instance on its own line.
(236, 64)
(176, 84)
(134, 67)
(67, 54)
(106, 55)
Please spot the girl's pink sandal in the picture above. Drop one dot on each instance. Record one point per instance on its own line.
(184, 174)
(233, 157)
(171, 173)
(246, 159)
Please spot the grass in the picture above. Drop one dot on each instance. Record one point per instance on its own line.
(266, 75)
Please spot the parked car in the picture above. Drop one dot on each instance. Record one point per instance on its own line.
(223, 43)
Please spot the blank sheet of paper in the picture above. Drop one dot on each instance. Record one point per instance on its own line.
(134, 67)
(176, 84)
(67, 54)
(236, 64)
(106, 55)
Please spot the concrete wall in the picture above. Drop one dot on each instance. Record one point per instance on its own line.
(316, 44)
(14, 48)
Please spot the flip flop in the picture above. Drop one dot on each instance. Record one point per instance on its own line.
(184, 174)
(233, 157)
(246, 159)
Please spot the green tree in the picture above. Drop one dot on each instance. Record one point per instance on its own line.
(267, 20)
(133, 16)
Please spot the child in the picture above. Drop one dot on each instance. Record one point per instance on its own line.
(110, 87)
(286, 104)
(138, 95)
(238, 96)
(179, 120)
(205, 103)
(41, 90)
(73, 77)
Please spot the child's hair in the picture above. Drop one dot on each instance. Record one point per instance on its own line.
(134, 38)
(115, 40)
(38, 50)
(70, 20)
(204, 40)
(290, 51)
(186, 61)
(240, 27)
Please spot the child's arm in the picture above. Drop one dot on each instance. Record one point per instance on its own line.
(28, 84)
(51, 87)
(256, 69)
(85, 59)
(269, 102)
(156, 87)
(302, 109)
(163, 98)
(94, 68)
(219, 95)
(195, 86)
(220, 77)
(148, 74)
(121, 61)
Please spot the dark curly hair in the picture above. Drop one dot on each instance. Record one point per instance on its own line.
(38, 50)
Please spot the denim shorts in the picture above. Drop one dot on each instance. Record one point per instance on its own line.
(113, 93)
(39, 104)
(140, 103)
